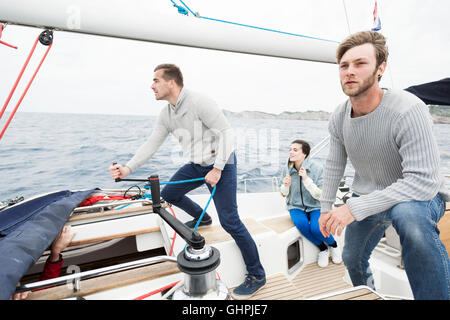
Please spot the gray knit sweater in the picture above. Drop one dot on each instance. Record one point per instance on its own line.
(198, 124)
(393, 151)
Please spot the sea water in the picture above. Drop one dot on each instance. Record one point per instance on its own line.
(44, 152)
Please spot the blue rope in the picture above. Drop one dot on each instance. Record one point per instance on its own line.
(207, 204)
(204, 210)
(203, 213)
(183, 181)
(254, 27)
(187, 7)
(266, 29)
(176, 182)
(180, 8)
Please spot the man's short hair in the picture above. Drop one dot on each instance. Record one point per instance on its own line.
(171, 72)
(363, 37)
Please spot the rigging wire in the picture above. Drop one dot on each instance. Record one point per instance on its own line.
(346, 16)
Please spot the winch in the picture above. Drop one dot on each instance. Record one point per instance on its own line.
(198, 261)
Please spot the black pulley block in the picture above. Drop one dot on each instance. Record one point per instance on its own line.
(46, 37)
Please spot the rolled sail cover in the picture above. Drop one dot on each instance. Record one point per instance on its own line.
(27, 230)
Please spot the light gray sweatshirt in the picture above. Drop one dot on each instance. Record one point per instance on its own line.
(393, 151)
(199, 125)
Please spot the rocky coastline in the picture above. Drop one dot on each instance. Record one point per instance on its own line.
(306, 115)
(286, 115)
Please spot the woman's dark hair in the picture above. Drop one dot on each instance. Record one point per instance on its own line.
(306, 148)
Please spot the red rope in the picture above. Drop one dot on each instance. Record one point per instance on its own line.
(170, 285)
(19, 77)
(17, 82)
(91, 200)
(174, 234)
(2, 42)
(156, 291)
(8, 45)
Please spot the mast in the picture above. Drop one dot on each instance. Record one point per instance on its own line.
(137, 20)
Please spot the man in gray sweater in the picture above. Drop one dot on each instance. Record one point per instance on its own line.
(207, 141)
(387, 135)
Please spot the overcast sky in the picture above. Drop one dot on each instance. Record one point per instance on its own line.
(92, 74)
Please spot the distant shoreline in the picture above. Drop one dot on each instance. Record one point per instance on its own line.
(440, 114)
(438, 117)
(286, 115)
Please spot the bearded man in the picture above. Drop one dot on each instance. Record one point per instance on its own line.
(387, 136)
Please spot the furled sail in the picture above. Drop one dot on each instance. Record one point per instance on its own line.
(137, 20)
(27, 230)
(436, 92)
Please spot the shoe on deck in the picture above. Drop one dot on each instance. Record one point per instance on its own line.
(323, 257)
(336, 256)
(248, 288)
(191, 224)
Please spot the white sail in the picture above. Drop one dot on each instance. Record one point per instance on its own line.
(137, 20)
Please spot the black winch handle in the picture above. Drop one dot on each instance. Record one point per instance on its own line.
(135, 180)
(117, 179)
(193, 238)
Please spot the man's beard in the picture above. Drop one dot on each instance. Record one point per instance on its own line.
(366, 84)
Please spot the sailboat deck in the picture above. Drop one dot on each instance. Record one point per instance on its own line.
(310, 282)
(106, 282)
(358, 293)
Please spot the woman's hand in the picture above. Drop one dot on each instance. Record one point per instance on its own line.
(287, 180)
(302, 173)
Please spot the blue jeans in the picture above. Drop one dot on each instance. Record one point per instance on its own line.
(425, 256)
(225, 202)
(309, 227)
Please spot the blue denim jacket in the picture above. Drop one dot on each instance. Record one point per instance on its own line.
(303, 200)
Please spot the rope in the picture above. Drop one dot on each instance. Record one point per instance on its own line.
(184, 4)
(207, 204)
(8, 45)
(17, 82)
(156, 291)
(180, 8)
(2, 27)
(254, 27)
(183, 181)
(174, 235)
(266, 29)
(204, 210)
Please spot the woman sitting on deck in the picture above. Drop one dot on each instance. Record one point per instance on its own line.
(302, 180)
